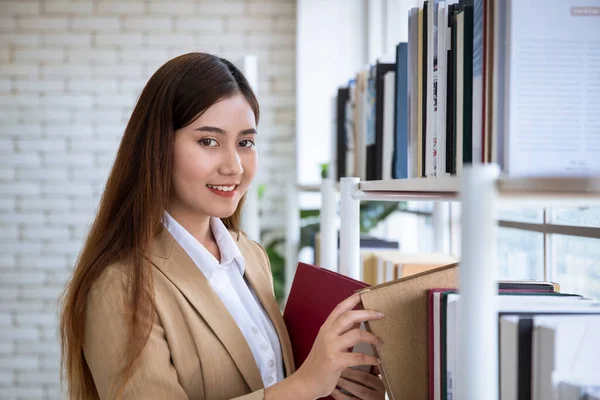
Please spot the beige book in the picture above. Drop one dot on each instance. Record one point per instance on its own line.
(379, 266)
(404, 329)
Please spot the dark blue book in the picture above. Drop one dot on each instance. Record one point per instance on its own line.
(401, 134)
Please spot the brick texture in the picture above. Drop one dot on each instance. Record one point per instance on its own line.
(70, 72)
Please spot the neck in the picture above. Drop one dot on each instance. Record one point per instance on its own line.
(197, 225)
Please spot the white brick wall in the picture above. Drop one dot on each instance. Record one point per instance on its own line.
(70, 72)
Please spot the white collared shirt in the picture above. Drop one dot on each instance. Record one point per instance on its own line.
(227, 280)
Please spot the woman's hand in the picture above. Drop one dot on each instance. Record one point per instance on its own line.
(362, 385)
(329, 356)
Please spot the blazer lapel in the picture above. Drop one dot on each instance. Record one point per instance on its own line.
(179, 268)
(262, 287)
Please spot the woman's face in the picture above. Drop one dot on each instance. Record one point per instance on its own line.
(215, 159)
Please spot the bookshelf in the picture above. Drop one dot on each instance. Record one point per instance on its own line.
(548, 191)
(474, 125)
(480, 190)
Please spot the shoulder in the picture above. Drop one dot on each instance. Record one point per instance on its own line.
(110, 290)
(113, 285)
(251, 248)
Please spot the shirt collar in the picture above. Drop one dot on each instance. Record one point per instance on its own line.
(205, 261)
(227, 246)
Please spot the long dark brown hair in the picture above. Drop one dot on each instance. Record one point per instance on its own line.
(137, 192)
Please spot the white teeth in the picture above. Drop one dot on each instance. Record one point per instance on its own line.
(222, 188)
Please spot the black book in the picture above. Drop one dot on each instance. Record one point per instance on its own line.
(468, 89)
(375, 151)
(525, 329)
(342, 98)
(452, 134)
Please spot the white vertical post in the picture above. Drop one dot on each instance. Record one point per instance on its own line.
(250, 69)
(328, 226)
(292, 236)
(350, 234)
(441, 221)
(478, 366)
(250, 222)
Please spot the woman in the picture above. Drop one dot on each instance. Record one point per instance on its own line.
(169, 300)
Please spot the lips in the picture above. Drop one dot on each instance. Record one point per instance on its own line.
(223, 190)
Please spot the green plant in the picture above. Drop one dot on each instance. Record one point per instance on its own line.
(277, 266)
(324, 170)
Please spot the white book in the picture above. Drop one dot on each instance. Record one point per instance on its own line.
(350, 128)
(361, 124)
(413, 62)
(452, 347)
(566, 348)
(440, 113)
(333, 156)
(380, 270)
(552, 112)
(437, 350)
(477, 89)
(389, 271)
(509, 357)
(497, 106)
(430, 128)
(389, 113)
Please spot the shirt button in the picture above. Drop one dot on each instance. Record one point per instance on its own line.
(254, 330)
(269, 380)
(264, 346)
(271, 363)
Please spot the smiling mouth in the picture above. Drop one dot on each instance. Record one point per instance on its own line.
(223, 188)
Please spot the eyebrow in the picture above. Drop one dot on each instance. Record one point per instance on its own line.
(214, 129)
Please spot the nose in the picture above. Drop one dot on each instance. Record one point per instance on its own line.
(231, 163)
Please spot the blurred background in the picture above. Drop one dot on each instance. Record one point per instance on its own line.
(70, 73)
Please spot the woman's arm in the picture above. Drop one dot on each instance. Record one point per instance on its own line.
(106, 333)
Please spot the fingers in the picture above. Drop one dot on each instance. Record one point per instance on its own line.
(349, 319)
(344, 306)
(355, 336)
(364, 378)
(377, 370)
(357, 390)
(337, 395)
(355, 359)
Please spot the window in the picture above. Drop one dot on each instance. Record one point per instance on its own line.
(560, 245)
(575, 264)
(520, 254)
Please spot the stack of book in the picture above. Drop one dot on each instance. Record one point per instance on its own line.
(509, 82)
(385, 266)
(549, 342)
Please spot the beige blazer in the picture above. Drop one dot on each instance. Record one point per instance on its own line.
(195, 349)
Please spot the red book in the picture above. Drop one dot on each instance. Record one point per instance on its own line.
(315, 292)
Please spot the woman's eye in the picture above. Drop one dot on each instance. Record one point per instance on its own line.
(247, 143)
(208, 142)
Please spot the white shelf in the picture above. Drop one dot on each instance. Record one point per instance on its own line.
(538, 191)
(480, 189)
(567, 188)
(445, 188)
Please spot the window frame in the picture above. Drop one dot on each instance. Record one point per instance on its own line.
(546, 228)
